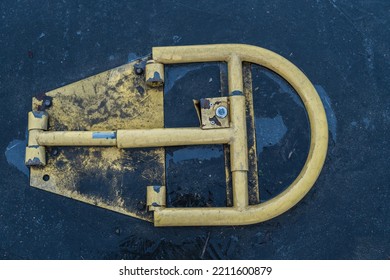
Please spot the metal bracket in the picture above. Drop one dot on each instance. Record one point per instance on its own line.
(223, 121)
(214, 113)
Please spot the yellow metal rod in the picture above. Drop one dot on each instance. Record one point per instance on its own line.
(239, 145)
(135, 138)
(161, 137)
(77, 138)
(235, 80)
(195, 53)
(217, 216)
(240, 189)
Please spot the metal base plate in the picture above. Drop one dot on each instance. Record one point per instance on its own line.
(107, 177)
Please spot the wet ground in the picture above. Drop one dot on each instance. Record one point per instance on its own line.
(342, 46)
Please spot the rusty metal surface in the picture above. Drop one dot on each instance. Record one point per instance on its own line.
(108, 177)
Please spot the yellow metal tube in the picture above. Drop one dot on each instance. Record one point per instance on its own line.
(135, 138)
(240, 189)
(160, 137)
(235, 80)
(218, 216)
(77, 138)
(239, 145)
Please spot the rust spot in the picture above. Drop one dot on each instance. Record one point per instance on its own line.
(205, 103)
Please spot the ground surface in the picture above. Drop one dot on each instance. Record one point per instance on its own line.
(342, 46)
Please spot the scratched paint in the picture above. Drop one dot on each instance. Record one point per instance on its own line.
(104, 135)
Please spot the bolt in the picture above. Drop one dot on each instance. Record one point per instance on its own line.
(138, 70)
(47, 103)
(221, 112)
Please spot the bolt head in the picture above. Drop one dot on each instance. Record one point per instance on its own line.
(221, 112)
(139, 70)
(47, 103)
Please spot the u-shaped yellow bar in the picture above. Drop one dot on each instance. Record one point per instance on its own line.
(242, 213)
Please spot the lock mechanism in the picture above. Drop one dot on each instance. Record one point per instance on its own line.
(214, 112)
(122, 110)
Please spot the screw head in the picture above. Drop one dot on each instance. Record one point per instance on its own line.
(221, 112)
(47, 103)
(138, 70)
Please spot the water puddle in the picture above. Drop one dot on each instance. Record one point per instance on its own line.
(15, 153)
(193, 153)
(177, 73)
(269, 132)
(284, 87)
